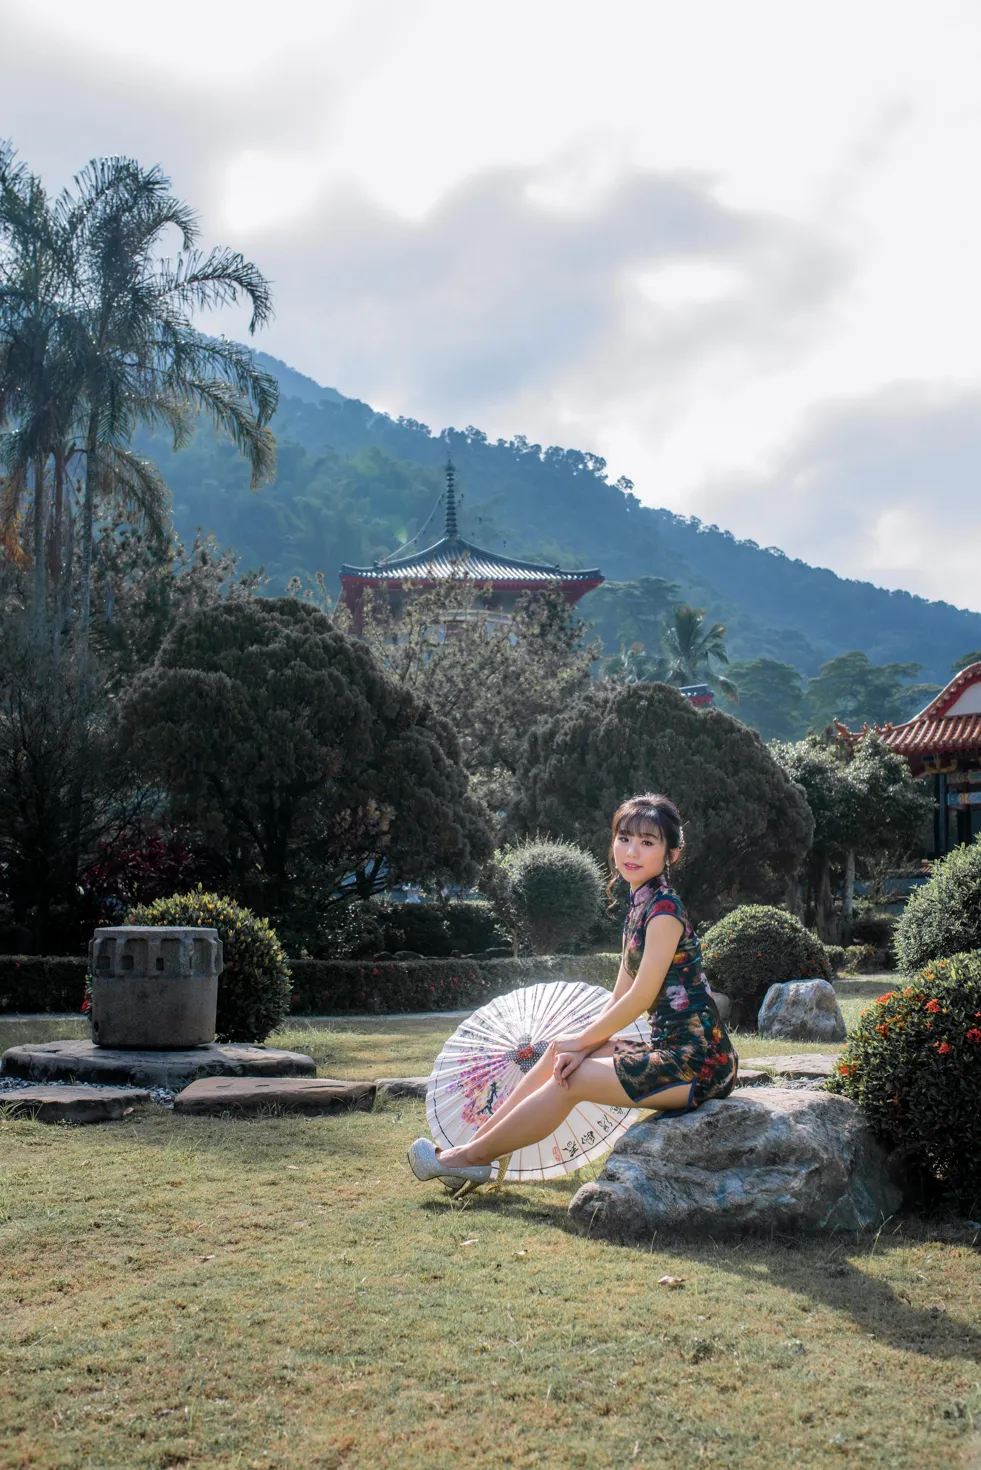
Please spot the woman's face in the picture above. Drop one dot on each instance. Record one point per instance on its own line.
(640, 856)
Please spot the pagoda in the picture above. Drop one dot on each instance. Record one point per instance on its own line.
(943, 742)
(501, 579)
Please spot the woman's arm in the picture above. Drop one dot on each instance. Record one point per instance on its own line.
(631, 997)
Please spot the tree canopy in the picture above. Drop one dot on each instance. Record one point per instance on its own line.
(279, 737)
(747, 825)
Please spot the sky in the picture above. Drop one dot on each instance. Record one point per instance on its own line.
(731, 248)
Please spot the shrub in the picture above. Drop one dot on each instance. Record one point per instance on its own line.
(420, 927)
(914, 1065)
(757, 946)
(474, 926)
(254, 989)
(434, 930)
(556, 891)
(943, 917)
(35, 982)
(874, 928)
(860, 958)
(836, 956)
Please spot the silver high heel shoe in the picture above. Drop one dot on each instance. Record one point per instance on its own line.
(424, 1163)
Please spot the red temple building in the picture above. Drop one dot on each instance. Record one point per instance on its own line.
(943, 742)
(502, 579)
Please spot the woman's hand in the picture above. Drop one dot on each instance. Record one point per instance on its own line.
(566, 1063)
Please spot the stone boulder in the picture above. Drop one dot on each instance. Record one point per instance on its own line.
(723, 1004)
(802, 1010)
(762, 1159)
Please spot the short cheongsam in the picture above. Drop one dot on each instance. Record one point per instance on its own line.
(689, 1043)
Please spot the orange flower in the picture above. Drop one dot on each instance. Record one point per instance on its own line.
(943, 1047)
(881, 1000)
(932, 1005)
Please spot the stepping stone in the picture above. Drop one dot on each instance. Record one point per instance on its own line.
(748, 1077)
(75, 1104)
(295, 1094)
(818, 1064)
(403, 1086)
(83, 1061)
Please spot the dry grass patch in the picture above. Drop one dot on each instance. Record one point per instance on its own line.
(279, 1292)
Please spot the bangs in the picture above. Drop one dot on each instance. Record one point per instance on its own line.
(639, 824)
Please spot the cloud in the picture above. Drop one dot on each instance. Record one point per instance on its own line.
(505, 310)
(883, 488)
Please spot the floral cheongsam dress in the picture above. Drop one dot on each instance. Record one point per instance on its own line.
(689, 1043)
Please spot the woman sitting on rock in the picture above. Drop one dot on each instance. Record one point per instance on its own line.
(690, 1057)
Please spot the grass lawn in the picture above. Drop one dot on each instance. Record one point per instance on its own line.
(279, 1292)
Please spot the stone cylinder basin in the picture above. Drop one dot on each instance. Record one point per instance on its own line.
(154, 988)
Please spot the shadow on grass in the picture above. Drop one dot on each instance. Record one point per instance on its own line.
(827, 1270)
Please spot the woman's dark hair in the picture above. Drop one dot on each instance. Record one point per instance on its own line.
(650, 815)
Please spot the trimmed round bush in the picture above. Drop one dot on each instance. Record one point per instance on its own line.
(914, 1064)
(254, 989)
(756, 946)
(943, 917)
(555, 891)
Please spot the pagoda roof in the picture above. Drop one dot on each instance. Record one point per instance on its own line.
(453, 559)
(949, 725)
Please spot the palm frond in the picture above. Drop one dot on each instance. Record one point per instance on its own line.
(137, 486)
(220, 278)
(229, 411)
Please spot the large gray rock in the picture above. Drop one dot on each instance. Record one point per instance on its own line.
(80, 1061)
(767, 1159)
(802, 1010)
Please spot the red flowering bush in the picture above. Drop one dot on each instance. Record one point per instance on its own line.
(914, 1065)
(757, 946)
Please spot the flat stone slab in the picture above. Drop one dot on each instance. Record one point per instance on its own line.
(818, 1064)
(83, 1061)
(403, 1086)
(749, 1077)
(75, 1104)
(294, 1094)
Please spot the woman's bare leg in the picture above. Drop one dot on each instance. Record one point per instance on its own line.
(540, 1113)
(530, 1082)
(539, 1075)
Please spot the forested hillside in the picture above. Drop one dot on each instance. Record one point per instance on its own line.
(352, 484)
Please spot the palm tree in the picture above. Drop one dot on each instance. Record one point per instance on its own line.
(693, 650)
(144, 362)
(96, 339)
(34, 369)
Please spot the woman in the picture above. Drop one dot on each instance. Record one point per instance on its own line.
(690, 1057)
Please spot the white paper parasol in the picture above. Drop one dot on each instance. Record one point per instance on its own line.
(487, 1056)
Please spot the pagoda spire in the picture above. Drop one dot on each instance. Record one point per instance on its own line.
(452, 533)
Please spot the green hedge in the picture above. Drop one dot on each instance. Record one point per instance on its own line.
(36, 982)
(331, 987)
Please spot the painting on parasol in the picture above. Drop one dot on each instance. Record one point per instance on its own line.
(486, 1057)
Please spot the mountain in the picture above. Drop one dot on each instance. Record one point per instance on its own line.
(353, 484)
